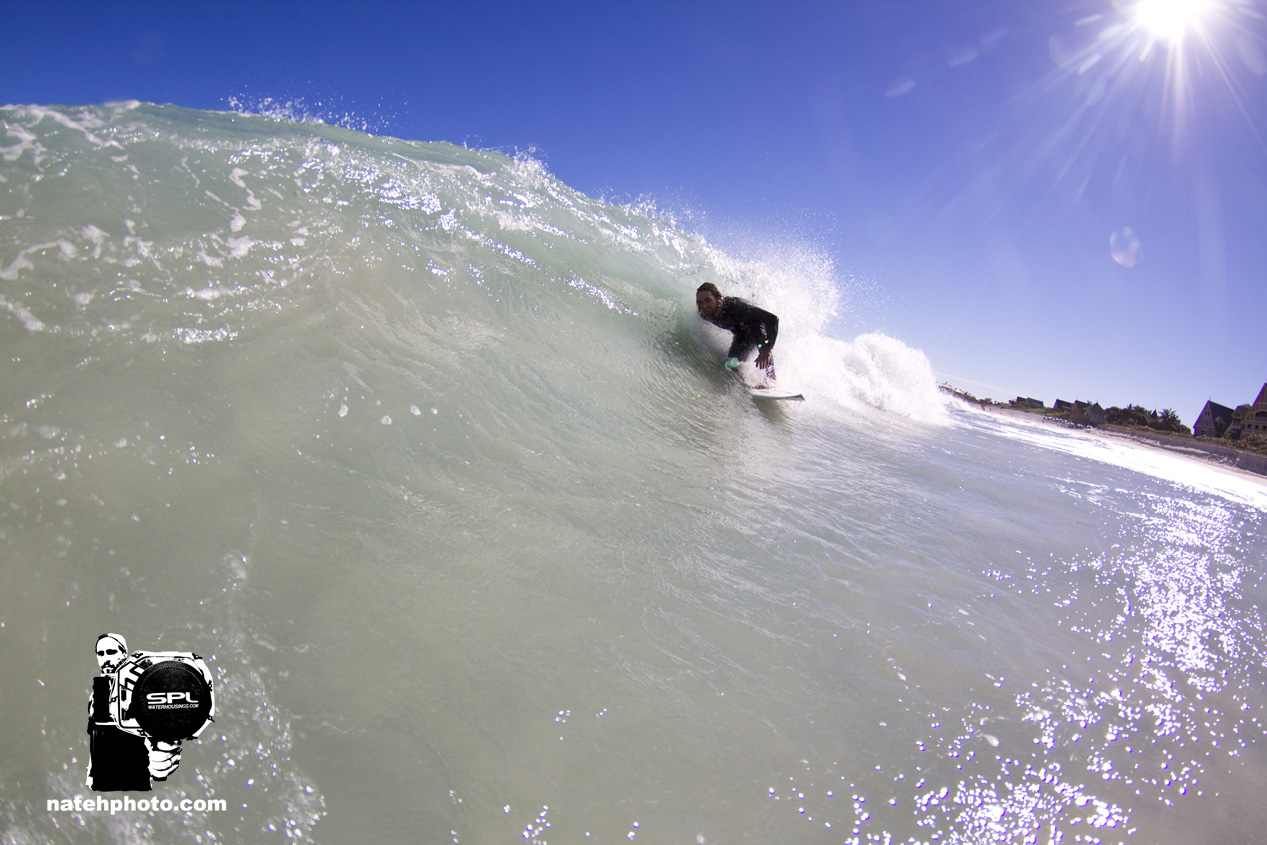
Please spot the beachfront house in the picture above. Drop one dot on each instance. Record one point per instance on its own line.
(1093, 412)
(1250, 419)
(1213, 420)
(1081, 413)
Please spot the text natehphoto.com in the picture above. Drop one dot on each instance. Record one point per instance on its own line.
(128, 804)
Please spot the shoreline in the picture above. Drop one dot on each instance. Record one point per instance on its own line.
(1244, 464)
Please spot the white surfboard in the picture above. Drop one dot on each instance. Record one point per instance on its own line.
(773, 393)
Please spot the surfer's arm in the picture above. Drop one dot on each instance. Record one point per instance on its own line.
(769, 328)
(755, 327)
(767, 331)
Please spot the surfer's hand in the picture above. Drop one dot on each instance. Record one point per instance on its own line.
(731, 364)
(763, 359)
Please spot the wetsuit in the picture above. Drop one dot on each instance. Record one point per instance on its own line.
(754, 328)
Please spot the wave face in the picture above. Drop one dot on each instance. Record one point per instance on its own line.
(430, 455)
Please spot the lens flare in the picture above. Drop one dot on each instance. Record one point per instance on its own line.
(1125, 247)
(1169, 20)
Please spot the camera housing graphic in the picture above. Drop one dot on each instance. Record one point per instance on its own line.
(162, 695)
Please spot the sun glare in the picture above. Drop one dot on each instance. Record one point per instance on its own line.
(1168, 20)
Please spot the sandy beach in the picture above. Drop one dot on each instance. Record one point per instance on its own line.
(1243, 464)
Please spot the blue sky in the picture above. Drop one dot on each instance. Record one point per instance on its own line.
(965, 161)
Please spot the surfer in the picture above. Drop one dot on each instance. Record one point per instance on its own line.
(753, 327)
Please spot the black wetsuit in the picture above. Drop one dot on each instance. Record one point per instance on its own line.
(754, 328)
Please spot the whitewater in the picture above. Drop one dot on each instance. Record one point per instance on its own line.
(431, 459)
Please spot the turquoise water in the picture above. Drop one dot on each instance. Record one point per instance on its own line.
(429, 455)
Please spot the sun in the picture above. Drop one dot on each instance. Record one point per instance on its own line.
(1168, 20)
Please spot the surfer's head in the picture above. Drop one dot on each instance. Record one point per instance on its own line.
(708, 300)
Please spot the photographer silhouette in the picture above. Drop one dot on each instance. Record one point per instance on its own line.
(142, 706)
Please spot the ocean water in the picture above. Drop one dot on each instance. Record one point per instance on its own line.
(430, 458)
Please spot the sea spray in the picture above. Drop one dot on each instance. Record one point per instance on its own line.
(417, 445)
(800, 285)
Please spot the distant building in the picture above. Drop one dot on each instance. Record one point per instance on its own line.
(1250, 419)
(1083, 413)
(1213, 420)
(1027, 402)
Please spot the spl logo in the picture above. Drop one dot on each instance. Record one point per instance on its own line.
(170, 700)
(143, 705)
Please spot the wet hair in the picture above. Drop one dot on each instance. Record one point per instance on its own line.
(710, 287)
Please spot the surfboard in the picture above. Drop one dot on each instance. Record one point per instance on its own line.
(773, 393)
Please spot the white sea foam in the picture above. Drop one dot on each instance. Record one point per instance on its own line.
(488, 488)
(29, 321)
(801, 287)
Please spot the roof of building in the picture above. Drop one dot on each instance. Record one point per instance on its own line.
(1216, 410)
